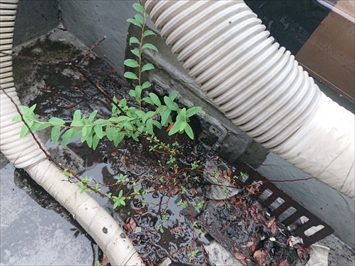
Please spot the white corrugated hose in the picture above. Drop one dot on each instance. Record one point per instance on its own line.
(25, 153)
(259, 86)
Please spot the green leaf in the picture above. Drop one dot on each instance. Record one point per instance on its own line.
(193, 110)
(118, 201)
(182, 115)
(123, 103)
(116, 204)
(119, 137)
(138, 7)
(84, 132)
(148, 33)
(56, 121)
(77, 115)
(24, 109)
(149, 126)
(101, 122)
(134, 22)
(189, 132)
(175, 128)
(156, 123)
(69, 135)
(139, 19)
(95, 142)
(165, 115)
(146, 85)
(136, 52)
(147, 115)
(32, 108)
(77, 121)
(39, 126)
(131, 63)
(24, 131)
(147, 67)
(133, 40)
(111, 133)
(55, 134)
(150, 46)
(121, 118)
(92, 116)
(28, 112)
(182, 126)
(130, 75)
(98, 130)
(89, 140)
(128, 126)
(148, 100)
(171, 105)
(17, 118)
(173, 95)
(155, 99)
(138, 93)
(132, 93)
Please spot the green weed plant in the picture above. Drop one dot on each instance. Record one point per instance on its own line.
(125, 121)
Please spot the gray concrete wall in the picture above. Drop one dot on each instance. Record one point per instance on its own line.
(34, 18)
(91, 20)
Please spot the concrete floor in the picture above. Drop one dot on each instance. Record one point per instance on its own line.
(33, 235)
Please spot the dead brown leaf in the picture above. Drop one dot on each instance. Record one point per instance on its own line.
(175, 190)
(45, 90)
(269, 222)
(252, 189)
(260, 256)
(274, 228)
(251, 245)
(193, 192)
(282, 262)
(177, 229)
(130, 225)
(69, 105)
(123, 160)
(229, 172)
(302, 253)
(56, 95)
(240, 256)
(104, 261)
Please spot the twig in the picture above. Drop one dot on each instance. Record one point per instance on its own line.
(98, 87)
(290, 180)
(43, 149)
(86, 57)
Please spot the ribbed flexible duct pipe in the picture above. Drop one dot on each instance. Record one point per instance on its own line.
(260, 86)
(25, 153)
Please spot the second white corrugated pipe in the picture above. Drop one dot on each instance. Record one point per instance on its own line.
(25, 153)
(260, 86)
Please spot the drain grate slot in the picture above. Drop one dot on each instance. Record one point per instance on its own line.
(286, 210)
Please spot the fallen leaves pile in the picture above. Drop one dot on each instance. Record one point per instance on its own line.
(249, 232)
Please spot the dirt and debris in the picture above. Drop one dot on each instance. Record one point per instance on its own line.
(179, 209)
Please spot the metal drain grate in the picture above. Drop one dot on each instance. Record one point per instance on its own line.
(298, 219)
